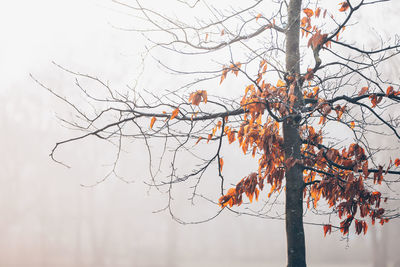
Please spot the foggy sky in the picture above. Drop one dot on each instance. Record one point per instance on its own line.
(49, 219)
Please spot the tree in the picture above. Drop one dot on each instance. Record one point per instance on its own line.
(286, 115)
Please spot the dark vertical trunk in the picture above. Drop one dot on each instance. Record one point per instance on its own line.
(294, 176)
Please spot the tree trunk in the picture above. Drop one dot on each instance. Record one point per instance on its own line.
(292, 143)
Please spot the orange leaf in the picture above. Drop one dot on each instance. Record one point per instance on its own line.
(374, 100)
(223, 76)
(250, 197)
(236, 68)
(317, 39)
(365, 227)
(174, 113)
(258, 16)
(309, 75)
(231, 136)
(315, 90)
(204, 95)
(304, 21)
(309, 13)
(344, 6)
(317, 12)
(280, 83)
(153, 120)
(257, 193)
(363, 91)
(198, 140)
(222, 32)
(389, 90)
(221, 164)
(327, 228)
(196, 97)
(397, 162)
(352, 125)
(365, 169)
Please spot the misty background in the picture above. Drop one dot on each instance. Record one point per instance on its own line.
(54, 216)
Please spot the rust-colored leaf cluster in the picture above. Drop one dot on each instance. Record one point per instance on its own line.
(391, 92)
(248, 186)
(317, 39)
(342, 186)
(234, 68)
(199, 96)
(375, 100)
(327, 229)
(338, 176)
(344, 6)
(263, 137)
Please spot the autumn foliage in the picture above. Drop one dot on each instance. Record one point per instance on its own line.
(307, 111)
(339, 177)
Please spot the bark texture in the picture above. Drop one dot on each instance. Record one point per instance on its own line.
(292, 143)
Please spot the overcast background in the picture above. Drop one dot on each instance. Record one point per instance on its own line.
(47, 218)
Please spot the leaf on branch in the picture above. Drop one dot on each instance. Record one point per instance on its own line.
(317, 39)
(229, 199)
(198, 96)
(344, 6)
(317, 12)
(345, 224)
(365, 169)
(389, 91)
(327, 228)
(258, 16)
(365, 227)
(198, 140)
(153, 120)
(309, 75)
(222, 32)
(358, 225)
(219, 124)
(352, 125)
(397, 162)
(339, 111)
(378, 176)
(309, 13)
(235, 68)
(322, 120)
(280, 83)
(231, 136)
(315, 91)
(224, 73)
(304, 22)
(363, 91)
(221, 164)
(209, 138)
(375, 100)
(174, 113)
